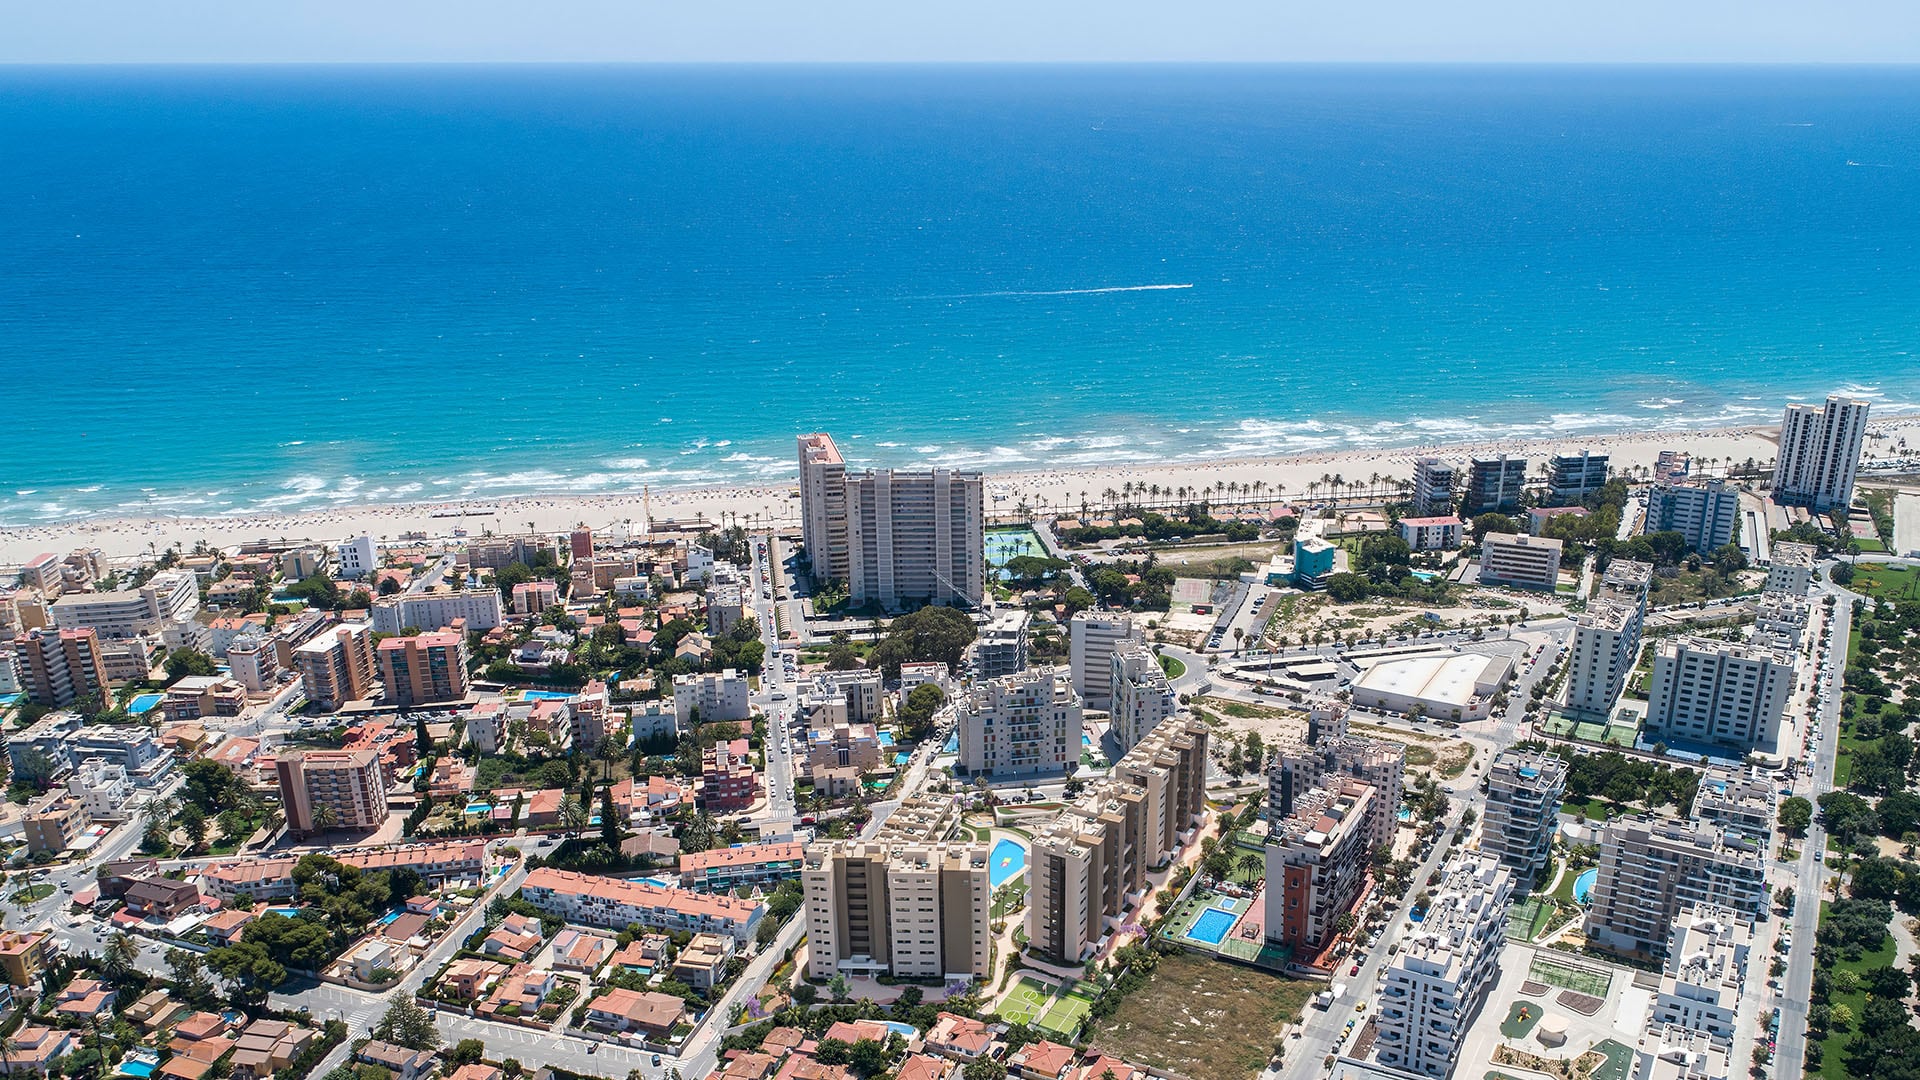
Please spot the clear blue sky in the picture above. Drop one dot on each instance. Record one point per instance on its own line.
(265, 31)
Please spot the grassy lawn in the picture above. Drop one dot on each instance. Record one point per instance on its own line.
(1174, 668)
(1024, 1002)
(1202, 1018)
(1595, 809)
(1009, 896)
(1834, 1046)
(32, 894)
(1870, 579)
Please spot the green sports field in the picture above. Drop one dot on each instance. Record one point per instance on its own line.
(1025, 1002)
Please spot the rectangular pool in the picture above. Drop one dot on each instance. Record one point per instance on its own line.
(545, 695)
(144, 703)
(1212, 926)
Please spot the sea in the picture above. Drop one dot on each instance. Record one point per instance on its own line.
(237, 290)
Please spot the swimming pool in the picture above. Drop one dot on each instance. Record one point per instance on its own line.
(1583, 885)
(907, 1030)
(902, 758)
(144, 703)
(136, 1068)
(1212, 926)
(8, 699)
(885, 737)
(953, 742)
(389, 917)
(545, 695)
(479, 808)
(288, 912)
(1009, 859)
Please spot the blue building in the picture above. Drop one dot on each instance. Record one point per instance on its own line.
(1312, 562)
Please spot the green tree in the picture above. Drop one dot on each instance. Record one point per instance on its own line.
(917, 712)
(407, 1024)
(1796, 813)
(120, 956)
(193, 822)
(184, 662)
(939, 634)
(610, 831)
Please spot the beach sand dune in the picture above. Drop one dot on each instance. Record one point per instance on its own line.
(1056, 489)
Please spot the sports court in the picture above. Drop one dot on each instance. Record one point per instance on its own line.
(1067, 1013)
(1567, 976)
(1527, 918)
(1025, 1002)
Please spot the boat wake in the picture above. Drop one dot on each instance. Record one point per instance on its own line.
(1064, 292)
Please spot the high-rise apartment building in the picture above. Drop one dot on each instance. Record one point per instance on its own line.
(711, 697)
(580, 543)
(1706, 512)
(424, 669)
(1139, 695)
(1091, 636)
(347, 782)
(1606, 638)
(1524, 789)
(60, 667)
(1001, 648)
(1790, 569)
(903, 909)
(1433, 484)
(1650, 869)
(254, 662)
(1737, 797)
(1573, 477)
(1020, 725)
(1317, 859)
(337, 666)
(1705, 974)
(823, 507)
(1494, 484)
(1089, 863)
(1297, 770)
(1727, 693)
(1820, 453)
(1448, 961)
(916, 537)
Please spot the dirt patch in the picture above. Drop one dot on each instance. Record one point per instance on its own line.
(1205, 1019)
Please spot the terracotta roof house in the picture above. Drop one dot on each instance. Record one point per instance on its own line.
(633, 1010)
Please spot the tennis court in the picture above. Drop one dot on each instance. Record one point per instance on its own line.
(1526, 919)
(1568, 977)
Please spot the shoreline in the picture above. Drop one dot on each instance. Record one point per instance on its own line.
(1058, 489)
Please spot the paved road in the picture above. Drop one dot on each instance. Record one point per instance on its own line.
(1811, 873)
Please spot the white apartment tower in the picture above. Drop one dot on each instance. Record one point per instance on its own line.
(1020, 725)
(1433, 484)
(1606, 638)
(1706, 512)
(823, 506)
(1791, 568)
(1438, 981)
(1091, 636)
(1819, 453)
(1139, 695)
(1706, 973)
(1651, 869)
(909, 910)
(1523, 810)
(1727, 693)
(357, 557)
(916, 538)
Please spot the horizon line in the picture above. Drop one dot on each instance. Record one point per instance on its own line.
(971, 63)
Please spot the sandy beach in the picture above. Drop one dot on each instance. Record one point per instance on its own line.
(618, 515)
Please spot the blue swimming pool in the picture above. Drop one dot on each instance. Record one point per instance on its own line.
(885, 737)
(8, 699)
(144, 703)
(906, 1030)
(1212, 926)
(136, 1068)
(953, 742)
(288, 912)
(1086, 739)
(545, 695)
(902, 758)
(1583, 885)
(1008, 860)
(389, 917)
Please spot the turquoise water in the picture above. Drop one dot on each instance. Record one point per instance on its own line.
(289, 912)
(1583, 885)
(144, 702)
(1004, 544)
(953, 743)
(8, 699)
(1008, 859)
(136, 1068)
(885, 738)
(902, 1027)
(966, 266)
(1212, 926)
(390, 916)
(902, 758)
(545, 695)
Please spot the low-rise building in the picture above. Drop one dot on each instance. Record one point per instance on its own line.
(55, 822)
(728, 780)
(1431, 533)
(725, 869)
(1523, 562)
(702, 963)
(1790, 568)
(710, 697)
(641, 1011)
(610, 902)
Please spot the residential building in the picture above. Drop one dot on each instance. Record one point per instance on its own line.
(357, 557)
(1433, 484)
(702, 964)
(23, 955)
(254, 663)
(1438, 981)
(347, 782)
(728, 780)
(907, 909)
(136, 749)
(402, 1063)
(755, 866)
(1651, 868)
(1737, 797)
(1524, 789)
(1791, 568)
(1431, 533)
(1820, 453)
(1706, 973)
(916, 537)
(1706, 512)
(102, 789)
(36, 1047)
(823, 507)
(1780, 620)
(640, 1011)
(337, 667)
(534, 597)
(60, 667)
(1139, 695)
(1573, 477)
(843, 746)
(613, 903)
(1538, 517)
(195, 696)
(1726, 693)
(468, 610)
(1526, 562)
(54, 822)
(853, 697)
(424, 669)
(1091, 637)
(1313, 562)
(726, 607)
(579, 950)
(1088, 864)
(1296, 770)
(1001, 647)
(167, 598)
(1494, 484)
(495, 552)
(1317, 859)
(1606, 638)
(913, 676)
(710, 697)
(298, 564)
(1020, 725)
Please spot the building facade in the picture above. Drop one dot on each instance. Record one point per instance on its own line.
(425, 669)
(337, 667)
(1706, 512)
(711, 697)
(348, 782)
(1437, 982)
(1494, 484)
(823, 506)
(1573, 477)
(916, 537)
(1606, 638)
(903, 909)
(1525, 562)
(1524, 790)
(357, 557)
(1431, 533)
(470, 610)
(1091, 636)
(1020, 725)
(1650, 869)
(1139, 696)
(1433, 484)
(1790, 568)
(1727, 693)
(1317, 859)
(60, 667)
(1820, 453)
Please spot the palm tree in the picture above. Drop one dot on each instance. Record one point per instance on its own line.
(573, 815)
(121, 955)
(325, 818)
(1251, 866)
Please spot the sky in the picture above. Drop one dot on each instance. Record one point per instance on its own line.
(910, 31)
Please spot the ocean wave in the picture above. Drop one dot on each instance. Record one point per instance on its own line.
(1171, 287)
